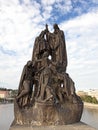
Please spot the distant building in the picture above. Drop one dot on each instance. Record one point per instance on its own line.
(93, 93)
(82, 93)
(4, 94)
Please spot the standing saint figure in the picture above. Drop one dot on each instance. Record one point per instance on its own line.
(58, 48)
(25, 85)
(40, 46)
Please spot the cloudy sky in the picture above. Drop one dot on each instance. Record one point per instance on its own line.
(22, 20)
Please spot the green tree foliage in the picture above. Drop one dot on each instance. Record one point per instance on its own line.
(3, 89)
(94, 100)
(89, 99)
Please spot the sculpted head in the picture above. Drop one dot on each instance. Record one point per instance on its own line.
(55, 26)
(29, 63)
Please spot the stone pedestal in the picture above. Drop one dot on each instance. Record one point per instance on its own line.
(48, 114)
(76, 126)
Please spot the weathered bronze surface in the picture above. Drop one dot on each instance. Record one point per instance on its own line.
(46, 94)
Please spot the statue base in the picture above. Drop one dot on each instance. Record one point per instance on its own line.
(76, 126)
(43, 114)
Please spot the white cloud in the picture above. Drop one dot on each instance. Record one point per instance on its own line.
(8, 3)
(64, 6)
(95, 1)
(47, 12)
(47, 2)
(86, 20)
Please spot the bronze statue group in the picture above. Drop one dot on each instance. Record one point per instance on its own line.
(44, 78)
